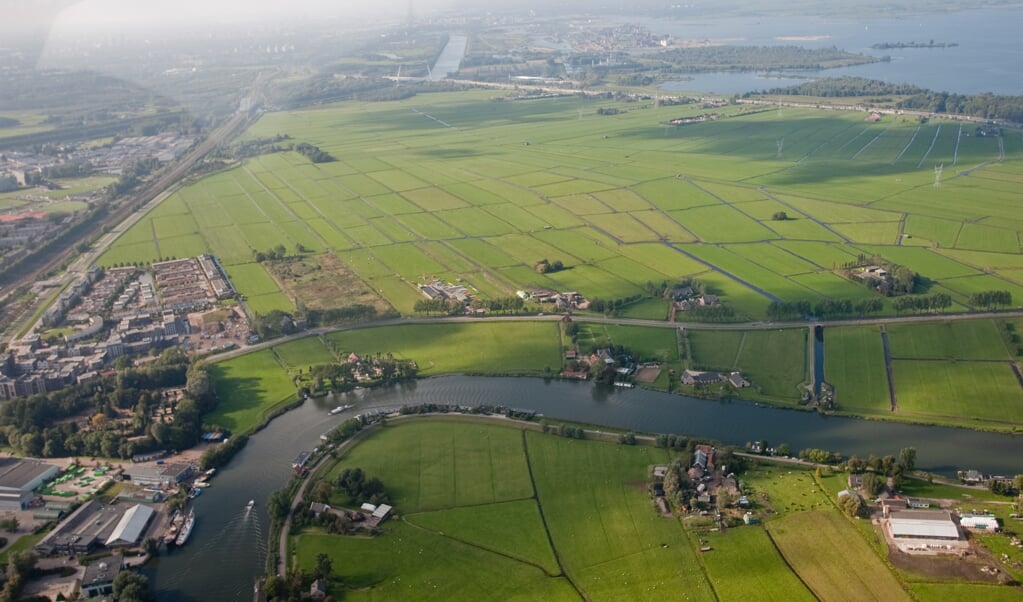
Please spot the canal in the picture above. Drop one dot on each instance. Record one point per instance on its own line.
(227, 549)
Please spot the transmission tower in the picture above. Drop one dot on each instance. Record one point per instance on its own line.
(937, 175)
(781, 144)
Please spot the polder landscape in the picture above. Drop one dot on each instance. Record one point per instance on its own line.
(475, 188)
(856, 258)
(470, 189)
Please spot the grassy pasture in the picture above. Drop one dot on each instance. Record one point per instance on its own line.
(774, 259)
(445, 464)
(248, 388)
(970, 392)
(854, 365)
(776, 362)
(412, 564)
(487, 348)
(599, 188)
(764, 574)
(645, 343)
(963, 592)
(303, 353)
(609, 539)
(958, 340)
(715, 350)
(514, 528)
(832, 559)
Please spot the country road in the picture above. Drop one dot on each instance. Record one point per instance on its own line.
(619, 322)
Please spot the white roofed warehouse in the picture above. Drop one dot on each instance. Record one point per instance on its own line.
(925, 532)
(131, 526)
(923, 524)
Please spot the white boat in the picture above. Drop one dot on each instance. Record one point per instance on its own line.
(201, 484)
(186, 529)
(340, 409)
(250, 505)
(209, 473)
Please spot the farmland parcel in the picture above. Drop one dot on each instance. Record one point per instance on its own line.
(460, 187)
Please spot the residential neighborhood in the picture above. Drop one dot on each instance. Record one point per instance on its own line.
(107, 314)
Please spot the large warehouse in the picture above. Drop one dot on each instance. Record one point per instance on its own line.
(923, 524)
(19, 478)
(94, 525)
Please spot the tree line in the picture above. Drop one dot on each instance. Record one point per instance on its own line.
(991, 298)
(314, 153)
(825, 308)
(760, 58)
(985, 106)
(932, 302)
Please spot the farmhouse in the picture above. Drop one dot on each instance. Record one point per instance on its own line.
(18, 479)
(696, 377)
(737, 380)
(442, 290)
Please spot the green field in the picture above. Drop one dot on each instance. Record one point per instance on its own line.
(248, 387)
(445, 464)
(960, 340)
(827, 553)
(972, 393)
(763, 574)
(854, 365)
(491, 501)
(304, 353)
(486, 510)
(411, 564)
(513, 528)
(610, 540)
(774, 361)
(590, 190)
(964, 592)
(480, 348)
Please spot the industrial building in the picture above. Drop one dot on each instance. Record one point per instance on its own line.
(923, 524)
(130, 528)
(96, 525)
(19, 478)
(99, 577)
(158, 474)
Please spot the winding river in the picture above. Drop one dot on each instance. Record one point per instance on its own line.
(227, 550)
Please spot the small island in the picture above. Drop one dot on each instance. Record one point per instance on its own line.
(928, 44)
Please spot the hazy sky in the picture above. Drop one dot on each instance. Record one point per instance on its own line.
(75, 17)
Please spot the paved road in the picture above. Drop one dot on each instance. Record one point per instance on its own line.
(282, 558)
(622, 322)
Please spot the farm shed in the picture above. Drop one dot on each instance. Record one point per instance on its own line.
(981, 522)
(923, 524)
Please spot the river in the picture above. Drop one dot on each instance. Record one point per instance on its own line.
(227, 550)
(450, 58)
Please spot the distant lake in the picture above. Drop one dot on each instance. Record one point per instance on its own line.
(988, 58)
